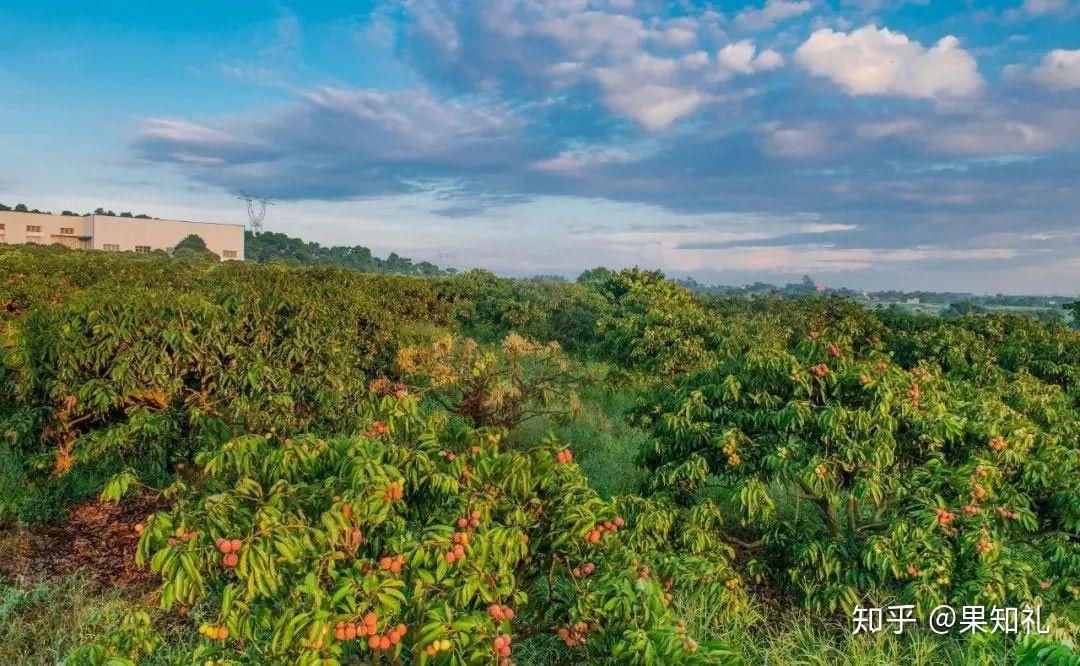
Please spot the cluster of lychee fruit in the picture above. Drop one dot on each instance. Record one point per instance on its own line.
(733, 458)
(501, 645)
(983, 545)
(392, 564)
(584, 570)
(500, 613)
(577, 633)
(377, 428)
(820, 370)
(181, 534)
(689, 644)
(563, 457)
(834, 351)
(228, 549)
(944, 516)
(213, 632)
(394, 492)
(1007, 514)
(368, 627)
(913, 572)
(437, 647)
(998, 444)
(597, 532)
(457, 552)
(470, 523)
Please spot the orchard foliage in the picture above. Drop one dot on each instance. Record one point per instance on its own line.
(421, 541)
(655, 326)
(519, 380)
(975, 347)
(116, 367)
(348, 493)
(843, 471)
(487, 306)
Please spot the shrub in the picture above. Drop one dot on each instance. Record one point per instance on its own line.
(421, 540)
(655, 326)
(847, 472)
(490, 306)
(520, 380)
(157, 372)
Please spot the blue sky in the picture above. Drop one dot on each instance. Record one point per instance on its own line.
(869, 143)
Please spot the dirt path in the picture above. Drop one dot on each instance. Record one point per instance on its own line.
(97, 538)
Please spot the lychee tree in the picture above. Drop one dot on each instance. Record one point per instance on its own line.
(849, 473)
(423, 541)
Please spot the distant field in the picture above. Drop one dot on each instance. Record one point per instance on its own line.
(921, 308)
(937, 308)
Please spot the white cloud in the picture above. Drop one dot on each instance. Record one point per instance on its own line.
(869, 61)
(826, 258)
(571, 162)
(995, 137)
(827, 227)
(649, 67)
(335, 141)
(648, 90)
(772, 12)
(886, 129)
(183, 131)
(794, 142)
(1042, 7)
(1052, 236)
(740, 58)
(1060, 70)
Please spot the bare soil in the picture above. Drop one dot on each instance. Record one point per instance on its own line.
(97, 539)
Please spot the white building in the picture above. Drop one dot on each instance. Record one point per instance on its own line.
(118, 234)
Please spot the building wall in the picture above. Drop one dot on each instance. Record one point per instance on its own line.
(44, 229)
(118, 234)
(127, 234)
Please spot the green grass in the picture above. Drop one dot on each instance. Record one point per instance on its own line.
(40, 623)
(794, 638)
(33, 499)
(603, 444)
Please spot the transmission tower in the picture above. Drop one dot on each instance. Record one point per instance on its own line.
(256, 210)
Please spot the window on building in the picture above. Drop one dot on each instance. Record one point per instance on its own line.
(229, 254)
(33, 228)
(142, 248)
(112, 247)
(70, 231)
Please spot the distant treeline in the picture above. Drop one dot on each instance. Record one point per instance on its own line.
(807, 287)
(23, 208)
(270, 246)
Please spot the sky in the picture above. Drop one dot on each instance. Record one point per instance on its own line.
(868, 143)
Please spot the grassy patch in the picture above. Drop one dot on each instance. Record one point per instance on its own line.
(604, 445)
(793, 638)
(41, 623)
